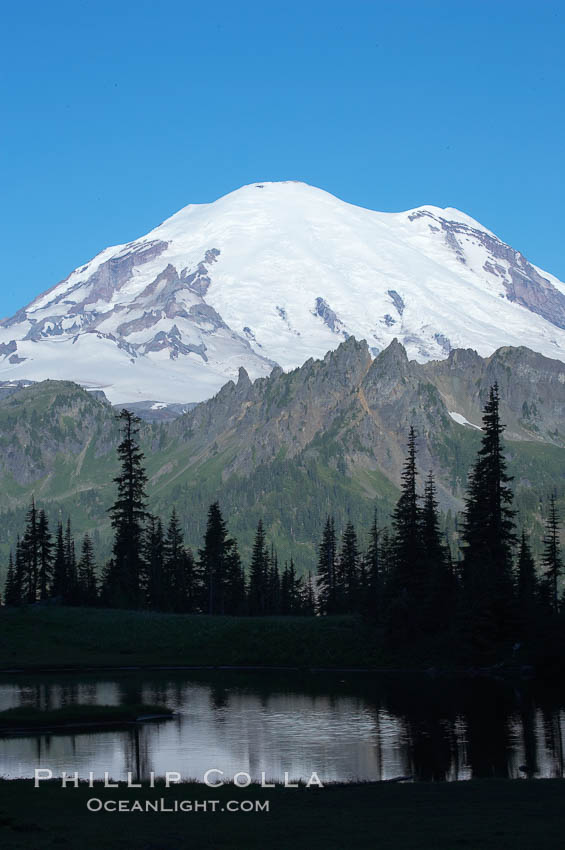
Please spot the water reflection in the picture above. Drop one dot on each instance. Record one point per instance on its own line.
(362, 727)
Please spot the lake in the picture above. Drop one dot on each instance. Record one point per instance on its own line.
(344, 727)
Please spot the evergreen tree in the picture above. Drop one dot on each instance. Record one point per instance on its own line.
(188, 582)
(406, 580)
(386, 558)
(373, 567)
(157, 588)
(59, 586)
(86, 591)
(527, 586)
(128, 515)
(488, 538)
(29, 555)
(291, 587)
(408, 549)
(552, 561)
(234, 583)
(216, 559)
(176, 591)
(437, 583)
(273, 585)
(12, 590)
(348, 572)
(45, 555)
(20, 570)
(307, 605)
(257, 601)
(71, 588)
(327, 577)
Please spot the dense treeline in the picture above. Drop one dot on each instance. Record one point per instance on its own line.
(407, 581)
(150, 565)
(402, 577)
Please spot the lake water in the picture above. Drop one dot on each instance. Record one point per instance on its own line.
(344, 727)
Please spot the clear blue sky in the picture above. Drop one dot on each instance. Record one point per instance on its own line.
(115, 115)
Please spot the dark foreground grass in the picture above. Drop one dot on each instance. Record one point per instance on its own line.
(54, 637)
(28, 717)
(477, 815)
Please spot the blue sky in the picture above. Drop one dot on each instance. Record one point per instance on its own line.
(115, 115)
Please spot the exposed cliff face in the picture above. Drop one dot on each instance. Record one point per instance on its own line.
(532, 389)
(367, 406)
(523, 283)
(277, 273)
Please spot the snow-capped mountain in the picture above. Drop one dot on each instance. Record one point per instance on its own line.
(273, 274)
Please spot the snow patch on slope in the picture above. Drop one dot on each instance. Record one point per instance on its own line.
(460, 419)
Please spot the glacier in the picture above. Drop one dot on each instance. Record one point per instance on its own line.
(273, 274)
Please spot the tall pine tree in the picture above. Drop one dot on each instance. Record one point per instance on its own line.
(71, 591)
(437, 590)
(217, 559)
(374, 569)
(258, 571)
(156, 586)
(552, 561)
(406, 525)
(327, 576)
(45, 555)
(349, 595)
(12, 590)
(405, 576)
(86, 591)
(59, 586)
(29, 555)
(128, 515)
(488, 538)
(527, 587)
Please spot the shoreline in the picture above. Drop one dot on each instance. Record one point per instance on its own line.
(506, 673)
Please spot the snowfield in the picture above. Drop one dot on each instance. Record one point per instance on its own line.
(276, 273)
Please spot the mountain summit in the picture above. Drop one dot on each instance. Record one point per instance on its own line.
(273, 274)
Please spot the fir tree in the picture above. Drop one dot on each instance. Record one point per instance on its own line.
(174, 567)
(373, 566)
(71, 589)
(406, 581)
(436, 598)
(12, 590)
(551, 560)
(128, 515)
(157, 588)
(527, 586)
(29, 556)
(188, 582)
(291, 587)
(327, 578)
(258, 574)
(273, 585)
(406, 525)
(216, 558)
(308, 599)
(19, 567)
(45, 555)
(87, 592)
(348, 572)
(59, 587)
(488, 537)
(386, 558)
(234, 582)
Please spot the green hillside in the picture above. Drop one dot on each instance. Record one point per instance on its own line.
(328, 437)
